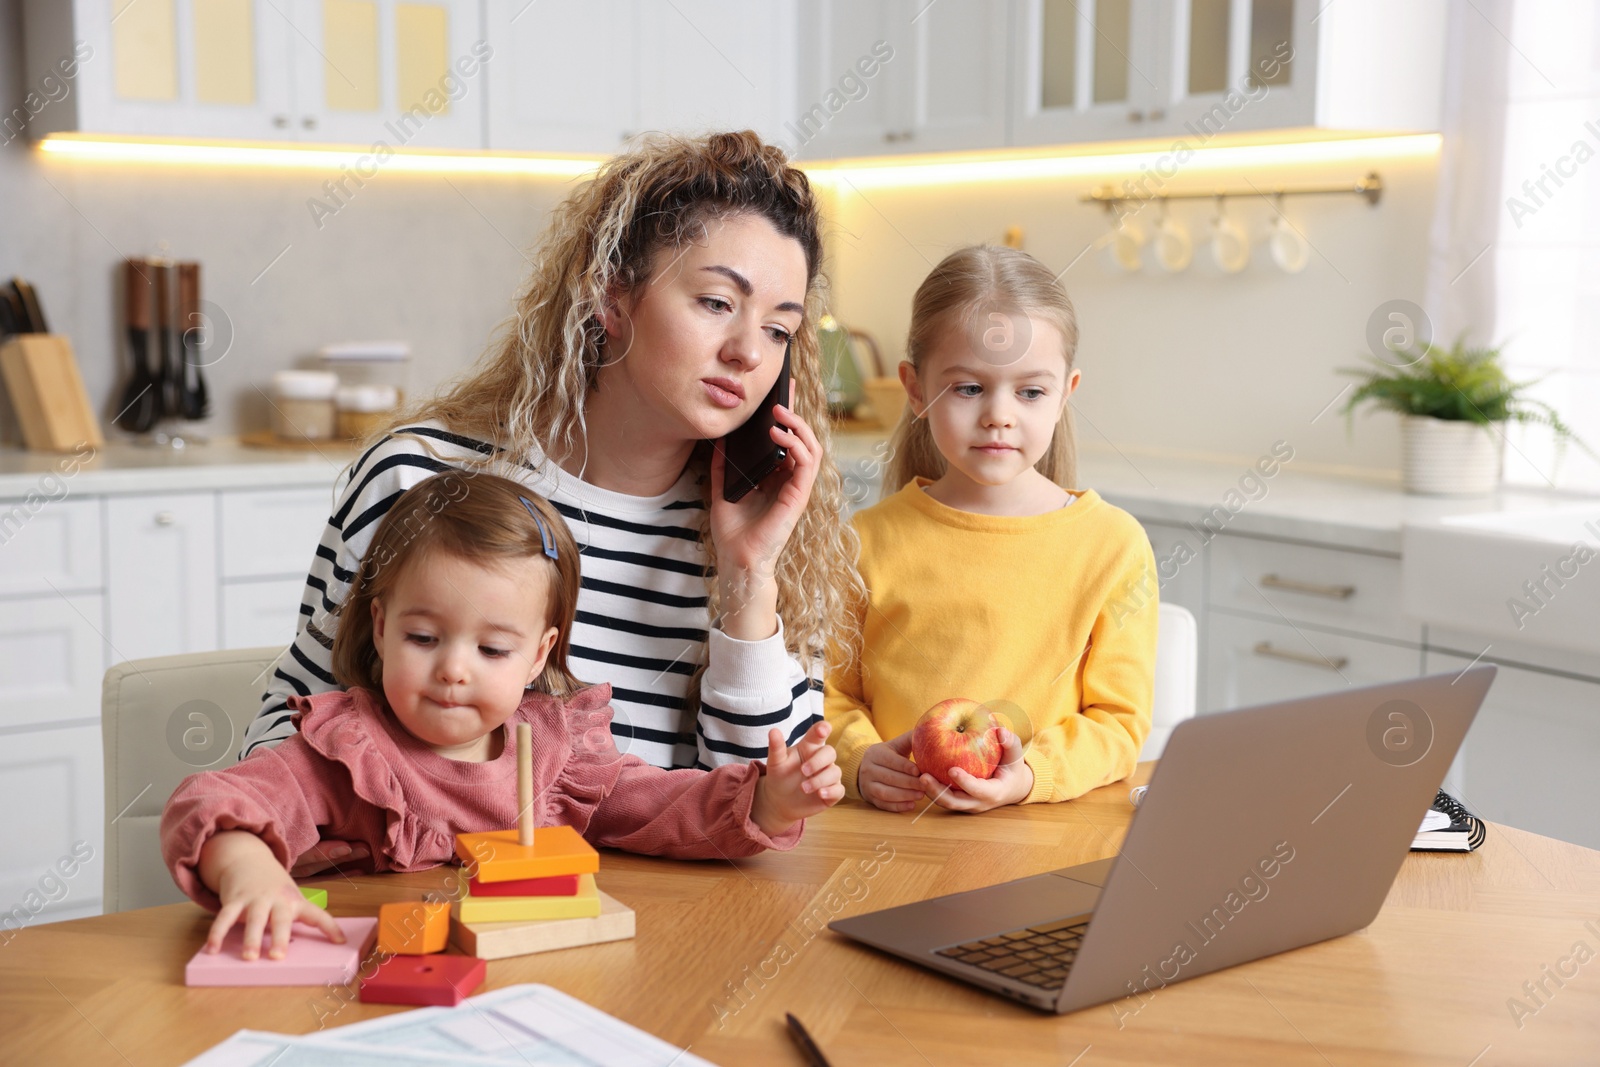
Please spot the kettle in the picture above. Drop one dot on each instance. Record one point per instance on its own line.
(849, 358)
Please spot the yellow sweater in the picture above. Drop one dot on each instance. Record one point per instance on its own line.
(1050, 618)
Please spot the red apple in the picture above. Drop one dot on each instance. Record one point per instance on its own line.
(958, 733)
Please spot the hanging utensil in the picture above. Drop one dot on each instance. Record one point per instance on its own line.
(138, 406)
(193, 401)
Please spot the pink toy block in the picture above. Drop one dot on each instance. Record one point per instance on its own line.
(311, 958)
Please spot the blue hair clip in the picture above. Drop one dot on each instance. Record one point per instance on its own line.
(544, 532)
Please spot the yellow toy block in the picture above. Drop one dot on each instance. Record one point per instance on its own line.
(413, 928)
(585, 904)
(555, 850)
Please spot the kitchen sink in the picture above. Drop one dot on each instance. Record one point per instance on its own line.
(1529, 575)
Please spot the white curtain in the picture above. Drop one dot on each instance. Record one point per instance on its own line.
(1515, 250)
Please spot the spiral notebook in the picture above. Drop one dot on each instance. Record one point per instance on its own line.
(1447, 826)
(1463, 832)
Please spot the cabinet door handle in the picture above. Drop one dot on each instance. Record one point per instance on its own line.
(280, 121)
(165, 518)
(1291, 585)
(1157, 114)
(309, 122)
(1136, 116)
(1335, 663)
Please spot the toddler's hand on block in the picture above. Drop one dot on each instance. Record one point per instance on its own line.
(254, 888)
(800, 781)
(886, 778)
(1011, 784)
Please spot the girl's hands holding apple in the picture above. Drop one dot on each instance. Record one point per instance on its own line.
(887, 778)
(800, 781)
(1011, 784)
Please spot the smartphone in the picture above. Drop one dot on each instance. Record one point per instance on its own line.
(750, 451)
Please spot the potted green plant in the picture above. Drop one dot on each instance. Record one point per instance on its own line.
(1452, 403)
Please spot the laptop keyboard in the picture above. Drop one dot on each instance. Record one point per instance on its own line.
(1038, 955)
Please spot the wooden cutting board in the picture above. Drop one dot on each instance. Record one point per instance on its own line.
(41, 374)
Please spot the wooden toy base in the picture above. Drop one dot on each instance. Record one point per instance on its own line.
(493, 941)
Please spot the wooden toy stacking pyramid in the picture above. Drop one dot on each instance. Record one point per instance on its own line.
(533, 890)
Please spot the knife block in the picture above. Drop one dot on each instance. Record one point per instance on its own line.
(41, 374)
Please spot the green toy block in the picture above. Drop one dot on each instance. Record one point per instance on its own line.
(319, 897)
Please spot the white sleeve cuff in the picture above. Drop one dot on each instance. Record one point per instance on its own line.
(738, 667)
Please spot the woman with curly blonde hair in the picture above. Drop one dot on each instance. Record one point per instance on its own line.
(661, 302)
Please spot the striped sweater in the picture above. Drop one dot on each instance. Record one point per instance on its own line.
(642, 622)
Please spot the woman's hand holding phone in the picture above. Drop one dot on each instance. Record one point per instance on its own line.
(751, 532)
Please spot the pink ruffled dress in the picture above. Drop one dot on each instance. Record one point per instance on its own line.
(352, 773)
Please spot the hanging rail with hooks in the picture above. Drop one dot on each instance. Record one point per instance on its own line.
(1370, 187)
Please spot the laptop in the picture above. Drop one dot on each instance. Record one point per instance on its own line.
(1264, 829)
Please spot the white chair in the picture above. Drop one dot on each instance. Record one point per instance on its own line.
(161, 720)
(1177, 667)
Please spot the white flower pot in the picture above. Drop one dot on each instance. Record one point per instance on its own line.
(1446, 457)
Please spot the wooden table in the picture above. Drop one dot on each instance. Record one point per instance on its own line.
(723, 950)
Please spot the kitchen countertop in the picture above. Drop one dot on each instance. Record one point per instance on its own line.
(1344, 509)
(1350, 510)
(124, 467)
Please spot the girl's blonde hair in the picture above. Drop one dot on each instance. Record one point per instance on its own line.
(482, 519)
(965, 292)
(529, 390)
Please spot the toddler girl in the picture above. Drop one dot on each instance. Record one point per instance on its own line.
(988, 577)
(457, 628)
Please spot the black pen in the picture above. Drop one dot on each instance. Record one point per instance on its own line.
(802, 1040)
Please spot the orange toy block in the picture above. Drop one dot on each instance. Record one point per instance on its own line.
(556, 850)
(413, 928)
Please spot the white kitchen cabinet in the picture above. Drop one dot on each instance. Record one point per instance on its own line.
(336, 71)
(707, 65)
(51, 786)
(51, 543)
(403, 72)
(272, 533)
(163, 68)
(161, 574)
(900, 76)
(564, 75)
(1090, 70)
(51, 659)
(261, 612)
(1328, 587)
(1532, 756)
(1252, 661)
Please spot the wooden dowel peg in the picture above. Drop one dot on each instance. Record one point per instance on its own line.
(524, 784)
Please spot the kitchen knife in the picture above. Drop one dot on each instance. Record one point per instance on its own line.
(12, 320)
(136, 410)
(166, 384)
(33, 313)
(193, 402)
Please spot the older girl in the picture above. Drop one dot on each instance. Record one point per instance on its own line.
(989, 576)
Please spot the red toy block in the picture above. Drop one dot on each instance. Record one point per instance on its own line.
(436, 981)
(561, 885)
